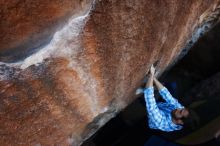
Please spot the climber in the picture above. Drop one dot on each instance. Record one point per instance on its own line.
(166, 116)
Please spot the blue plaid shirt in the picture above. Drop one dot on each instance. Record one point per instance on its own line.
(159, 114)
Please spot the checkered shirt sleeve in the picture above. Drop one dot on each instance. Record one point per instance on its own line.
(169, 98)
(154, 113)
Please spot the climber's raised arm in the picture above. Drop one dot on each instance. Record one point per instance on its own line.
(166, 94)
(154, 113)
(151, 78)
(158, 84)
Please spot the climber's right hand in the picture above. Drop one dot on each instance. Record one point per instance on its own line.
(152, 70)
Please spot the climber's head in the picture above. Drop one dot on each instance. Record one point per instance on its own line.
(179, 115)
(185, 117)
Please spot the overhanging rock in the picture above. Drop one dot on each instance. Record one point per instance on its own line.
(68, 66)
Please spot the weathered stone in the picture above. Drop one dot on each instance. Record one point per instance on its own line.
(93, 64)
(26, 26)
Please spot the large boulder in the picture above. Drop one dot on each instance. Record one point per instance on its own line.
(68, 66)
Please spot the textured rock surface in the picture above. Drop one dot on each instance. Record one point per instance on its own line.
(28, 25)
(97, 55)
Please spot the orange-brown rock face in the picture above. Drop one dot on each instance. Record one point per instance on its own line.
(77, 63)
(29, 25)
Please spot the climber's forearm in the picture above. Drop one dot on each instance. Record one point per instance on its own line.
(150, 81)
(158, 84)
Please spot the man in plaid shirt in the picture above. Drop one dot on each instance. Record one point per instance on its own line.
(166, 116)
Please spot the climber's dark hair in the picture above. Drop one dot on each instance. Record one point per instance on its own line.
(191, 122)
